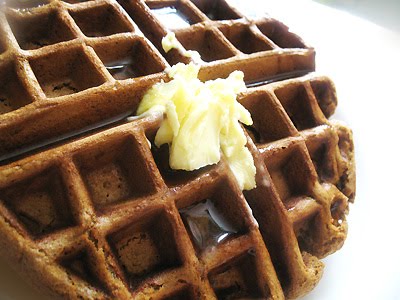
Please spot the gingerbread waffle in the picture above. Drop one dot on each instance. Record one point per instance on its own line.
(103, 216)
(68, 66)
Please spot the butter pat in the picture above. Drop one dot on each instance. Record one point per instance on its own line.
(202, 121)
(171, 42)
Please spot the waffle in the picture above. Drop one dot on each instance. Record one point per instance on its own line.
(57, 56)
(101, 215)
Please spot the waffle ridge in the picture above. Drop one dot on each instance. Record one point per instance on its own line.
(101, 216)
(59, 55)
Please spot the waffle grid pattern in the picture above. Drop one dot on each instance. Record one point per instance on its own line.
(309, 160)
(54, 57)
(101, 230)
(104, 216)
(125, 206)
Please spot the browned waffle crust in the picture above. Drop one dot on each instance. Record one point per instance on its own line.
(103, 216)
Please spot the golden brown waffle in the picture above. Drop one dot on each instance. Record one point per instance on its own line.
(103, 215)
(70, 65)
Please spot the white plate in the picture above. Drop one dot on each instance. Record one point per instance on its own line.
(363, 60)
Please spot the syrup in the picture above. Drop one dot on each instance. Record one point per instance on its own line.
(337, 213)
(171, 17)
(206, 224)
(122, 69)
(254, 134)
(16, 154)
(277, 77)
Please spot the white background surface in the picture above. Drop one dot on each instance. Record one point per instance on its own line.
(363, 60)
(383, 12)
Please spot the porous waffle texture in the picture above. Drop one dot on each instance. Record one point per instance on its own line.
(103, 216)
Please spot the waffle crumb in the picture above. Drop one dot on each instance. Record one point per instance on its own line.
(201, 120)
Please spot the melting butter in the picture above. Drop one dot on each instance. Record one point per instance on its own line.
(201, 120)
(171, 42)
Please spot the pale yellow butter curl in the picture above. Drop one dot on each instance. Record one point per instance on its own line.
(201, 121)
